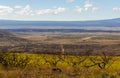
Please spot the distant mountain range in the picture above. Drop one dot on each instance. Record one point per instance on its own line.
(14, 23)
(110, 25)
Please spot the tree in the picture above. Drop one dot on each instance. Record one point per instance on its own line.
(103, 61)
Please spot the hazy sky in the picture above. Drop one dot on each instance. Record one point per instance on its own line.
(59, 9)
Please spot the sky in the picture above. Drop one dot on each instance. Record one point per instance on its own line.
(59, 10)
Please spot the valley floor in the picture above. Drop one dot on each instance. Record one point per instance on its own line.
(60, 55)
(73, 43)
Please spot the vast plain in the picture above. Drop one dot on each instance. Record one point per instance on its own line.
(28, 51)
(73, 43)
(60, 55)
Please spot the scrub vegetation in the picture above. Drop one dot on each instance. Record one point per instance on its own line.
(16, 65)
(59, 55)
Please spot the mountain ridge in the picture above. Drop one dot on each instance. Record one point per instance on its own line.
(106, 22)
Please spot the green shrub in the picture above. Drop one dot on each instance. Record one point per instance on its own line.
(13, 60)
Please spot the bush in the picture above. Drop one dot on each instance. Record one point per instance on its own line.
(13, 60)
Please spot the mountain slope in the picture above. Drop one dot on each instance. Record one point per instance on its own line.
(7, 38)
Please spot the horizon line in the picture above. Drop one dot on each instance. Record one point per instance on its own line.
(57, 20)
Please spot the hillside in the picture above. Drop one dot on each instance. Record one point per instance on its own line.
(7, 38)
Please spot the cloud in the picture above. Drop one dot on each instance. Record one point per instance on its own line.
(70, 0)
(50, 11)
(116, 9)
(78, 9)
(24, 11)
(19, 10)
(18, 7)
(95, 9)
(4, 10)
(88, 6)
